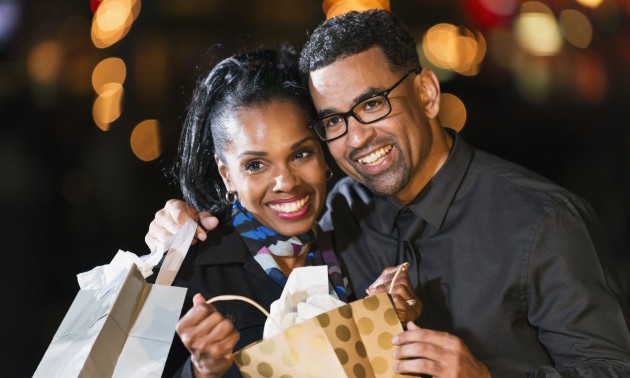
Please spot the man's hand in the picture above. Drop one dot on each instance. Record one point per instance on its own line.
(408, 306)
(172, 217)
(209, 337)
(439, 354)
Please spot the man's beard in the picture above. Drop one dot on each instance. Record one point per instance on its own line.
(390, 182)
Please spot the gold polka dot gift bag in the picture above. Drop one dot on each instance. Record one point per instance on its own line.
(353, 340)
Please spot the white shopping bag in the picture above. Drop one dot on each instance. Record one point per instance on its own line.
(123, 326)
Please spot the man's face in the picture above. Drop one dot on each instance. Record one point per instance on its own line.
(388, 155)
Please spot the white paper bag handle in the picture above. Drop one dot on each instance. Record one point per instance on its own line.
(176, 253)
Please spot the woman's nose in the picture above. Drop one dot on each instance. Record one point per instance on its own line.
(286, 180)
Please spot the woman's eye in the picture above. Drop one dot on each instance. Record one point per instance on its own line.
(303, 155)
(253, 166)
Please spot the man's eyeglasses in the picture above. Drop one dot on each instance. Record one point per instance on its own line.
(367, 111)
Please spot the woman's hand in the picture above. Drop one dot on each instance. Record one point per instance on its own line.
(172, 217)
(408, 306)
(209, 337)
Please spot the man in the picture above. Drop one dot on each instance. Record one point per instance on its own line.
(507, 264)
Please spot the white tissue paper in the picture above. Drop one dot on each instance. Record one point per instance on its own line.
(110, 276)
(305, 295)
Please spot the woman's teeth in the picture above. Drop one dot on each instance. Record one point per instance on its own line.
(289, 207)
(376, 156)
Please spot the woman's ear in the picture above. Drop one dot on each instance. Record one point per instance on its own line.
(427, 87)
(223, 171)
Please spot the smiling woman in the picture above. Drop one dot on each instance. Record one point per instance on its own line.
(277, 168)
(247, 155)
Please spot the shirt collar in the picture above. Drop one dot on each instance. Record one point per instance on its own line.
(433, 201)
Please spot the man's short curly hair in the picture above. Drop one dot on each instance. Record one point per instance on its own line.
(355, 32)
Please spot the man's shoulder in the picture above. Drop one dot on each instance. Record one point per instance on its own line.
(514, 182)
(349, 200)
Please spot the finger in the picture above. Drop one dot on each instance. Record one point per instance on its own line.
(209, 332)
(200, 234)
(159, 233)
(194, 331)
(420, 350)
(178, 211)
(165, 220)
(221, 349)
(194, 317)
(405, 312)
(208, 221)
(419, 366)
(401, 294)
(198, 299)
(221, 330)
(418, 334)
(376, 289)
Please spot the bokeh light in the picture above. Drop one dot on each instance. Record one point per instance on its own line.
(500, 7)
(533, 79)
(110, 70)
(591, 78)
(454, 48)
(112, 21)
(590, 3)
(537, 30)
(108, 105)
(576, 28)
(452, 111)
(44, 62)
(336, 8)
(145, 140)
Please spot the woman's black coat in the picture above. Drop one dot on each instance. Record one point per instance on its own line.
(218, 266)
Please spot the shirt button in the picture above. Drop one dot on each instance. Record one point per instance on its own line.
(231, 318)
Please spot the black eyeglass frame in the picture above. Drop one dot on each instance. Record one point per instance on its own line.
(385, 94)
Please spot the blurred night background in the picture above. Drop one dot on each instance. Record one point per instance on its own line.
(91, 108)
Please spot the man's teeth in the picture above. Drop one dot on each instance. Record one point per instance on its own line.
(289, 207)
(376, 156)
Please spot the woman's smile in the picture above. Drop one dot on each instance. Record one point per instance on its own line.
(291, 208)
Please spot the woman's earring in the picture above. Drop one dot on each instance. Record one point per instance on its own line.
(231, 197)
(329, 174)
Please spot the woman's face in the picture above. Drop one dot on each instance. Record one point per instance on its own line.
(276, 166)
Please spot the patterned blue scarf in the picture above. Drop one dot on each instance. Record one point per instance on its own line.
(264, 243)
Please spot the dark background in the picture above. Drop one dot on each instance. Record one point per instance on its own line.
(71, 195)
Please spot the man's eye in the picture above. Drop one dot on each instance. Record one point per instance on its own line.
(253, 166)
(332, 122)
(373, 104)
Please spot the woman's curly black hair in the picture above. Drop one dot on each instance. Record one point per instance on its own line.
(248, 79)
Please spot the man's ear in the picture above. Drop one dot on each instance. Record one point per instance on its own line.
(223, 171)
(427, 87)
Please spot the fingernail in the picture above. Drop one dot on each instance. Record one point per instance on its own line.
(395, 340)
(396, 370)
(201, 236)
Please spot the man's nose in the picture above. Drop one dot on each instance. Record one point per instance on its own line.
(358, 133)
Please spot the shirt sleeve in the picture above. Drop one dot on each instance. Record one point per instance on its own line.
(573, 299)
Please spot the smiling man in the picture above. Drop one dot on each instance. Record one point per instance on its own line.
(506, 263)
(510, 268)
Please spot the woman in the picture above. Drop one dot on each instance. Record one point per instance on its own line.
(247, 156)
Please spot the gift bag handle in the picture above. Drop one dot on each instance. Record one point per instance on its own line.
(176, 253)
(222, 298)
(401, 268)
